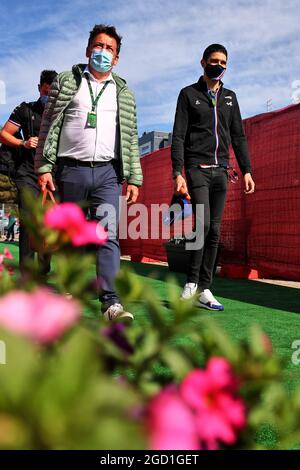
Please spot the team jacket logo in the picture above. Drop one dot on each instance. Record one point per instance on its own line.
(197, 102)
(229, 103)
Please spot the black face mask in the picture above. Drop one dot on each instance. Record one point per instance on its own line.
(214, 72)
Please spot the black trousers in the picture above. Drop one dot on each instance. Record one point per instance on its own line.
(25, 251)
(207, 186)
(11, 233)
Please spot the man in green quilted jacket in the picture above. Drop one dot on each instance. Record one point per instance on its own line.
(89, 133)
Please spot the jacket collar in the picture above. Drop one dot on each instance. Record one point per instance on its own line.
(110, 77)
(36, 106)
(203, 85)
(79, 69)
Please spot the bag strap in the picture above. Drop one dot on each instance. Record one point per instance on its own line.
(30, 117)
(47, 193)
(30, 123)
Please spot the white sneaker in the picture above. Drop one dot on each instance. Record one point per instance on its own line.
(207, 300)
(115, 312)
(68, 295)
(189, 290)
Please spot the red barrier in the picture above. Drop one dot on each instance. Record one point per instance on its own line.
(261, 231)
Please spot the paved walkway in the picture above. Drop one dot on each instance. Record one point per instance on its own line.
(278, 282)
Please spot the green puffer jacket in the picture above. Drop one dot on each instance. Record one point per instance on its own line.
(62, 92)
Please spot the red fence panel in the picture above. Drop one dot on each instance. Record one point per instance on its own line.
(260, 231)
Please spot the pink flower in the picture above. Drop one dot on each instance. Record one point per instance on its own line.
(5, 255)
(171, 423)
(211, 395)
(201, 413)
(266, 343)
(69, 219)
(40, 315)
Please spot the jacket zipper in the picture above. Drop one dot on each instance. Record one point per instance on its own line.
(216, 130)
(120, 143)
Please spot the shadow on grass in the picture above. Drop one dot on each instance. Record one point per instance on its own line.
(242, 290)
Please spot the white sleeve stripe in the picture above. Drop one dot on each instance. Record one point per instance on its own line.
(15, 123)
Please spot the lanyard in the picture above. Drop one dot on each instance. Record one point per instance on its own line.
(213, 96)
(95, 100)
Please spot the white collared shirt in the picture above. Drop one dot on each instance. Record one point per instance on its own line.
(81, 142)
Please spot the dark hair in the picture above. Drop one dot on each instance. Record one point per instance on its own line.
(214, 48)
(47, 76)
(106, 29)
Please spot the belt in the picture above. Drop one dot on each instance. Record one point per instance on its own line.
(203, 165)
(90, 163)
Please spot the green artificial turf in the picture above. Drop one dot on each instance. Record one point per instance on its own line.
(275, 308)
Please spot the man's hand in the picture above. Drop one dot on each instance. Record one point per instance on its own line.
(132, 193)
(249, 184)
(180, 186)
(31, 143)
(46, 182)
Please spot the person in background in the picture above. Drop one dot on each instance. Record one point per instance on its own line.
(207, 120)
(11, 227)
(21, 131)
(89, 131)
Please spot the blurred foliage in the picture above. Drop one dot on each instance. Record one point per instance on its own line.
(8, 190)
(60, 398)
(90, 389)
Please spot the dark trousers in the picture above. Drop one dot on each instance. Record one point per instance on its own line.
(208, 187)
(25, 251)
(11, 232)
(97, 186)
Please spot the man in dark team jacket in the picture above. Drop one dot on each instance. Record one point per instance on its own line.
(21, 132)
(207, 121)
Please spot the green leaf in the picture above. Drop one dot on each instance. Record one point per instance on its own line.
(179, 364)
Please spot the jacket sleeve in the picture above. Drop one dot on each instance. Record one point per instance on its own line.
(19, 117)
(179, 134)
(238, 140)
(136, 175)
(41, 164)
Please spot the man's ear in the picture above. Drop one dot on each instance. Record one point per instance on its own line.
(115, 61)
(203, 63)
(87, 52)
(39, 87)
